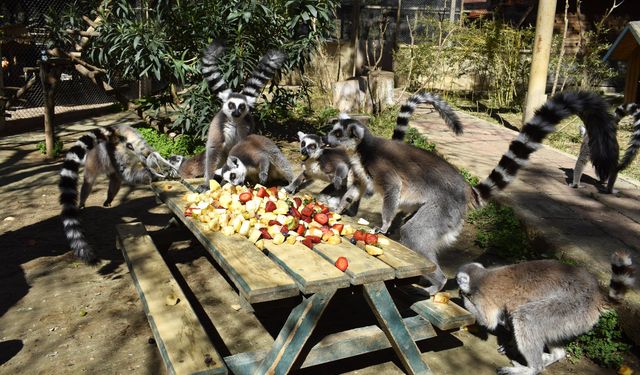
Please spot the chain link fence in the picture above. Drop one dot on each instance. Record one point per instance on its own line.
(22, 23)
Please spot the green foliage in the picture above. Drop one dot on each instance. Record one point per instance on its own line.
(603, 344)
(283, 105)
(183, 144)
(383, 124)
(470, 178)
(414, 137)
(499, 230)
(58, 146)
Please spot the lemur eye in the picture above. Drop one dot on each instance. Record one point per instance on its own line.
(241, 107)
(129, 146)
(312, 146)
(338, 133)
(232, 176)
(232, 105)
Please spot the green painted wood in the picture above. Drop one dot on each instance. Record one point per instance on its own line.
(444, 316)
(183, 349)
(309, 270)
(363, 268)
(257, 278)
(294, 334)
(392, 325)
(338, 346)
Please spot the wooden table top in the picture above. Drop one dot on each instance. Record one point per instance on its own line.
(282, 271)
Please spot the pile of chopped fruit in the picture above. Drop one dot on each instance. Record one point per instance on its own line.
(261, 213)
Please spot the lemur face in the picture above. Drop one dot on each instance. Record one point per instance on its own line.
(234, 171)
(235, 106)
(310, 145)
(346, 133)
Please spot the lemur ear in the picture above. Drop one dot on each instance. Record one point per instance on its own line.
(218, 172)
(233, 162)
(224, 95)
(301, 135)
(464, 281)
(251, 100)
(355, 131)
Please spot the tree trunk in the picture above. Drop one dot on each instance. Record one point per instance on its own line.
(540, 60)
(49, 76)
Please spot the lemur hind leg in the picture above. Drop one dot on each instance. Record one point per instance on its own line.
(583, 159)
(114, 186)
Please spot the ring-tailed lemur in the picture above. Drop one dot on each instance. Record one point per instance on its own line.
(234, 121)
(416, 181)
(336, 167)
(632, 148)
(543, 302)
(121, 153)
(442, 107)
(255, 160)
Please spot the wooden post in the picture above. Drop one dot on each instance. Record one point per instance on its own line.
(49, 76)
(355, 34)
(452, 11)
(2, 98)
(540, 59)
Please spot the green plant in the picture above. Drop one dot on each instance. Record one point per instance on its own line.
(415, 138)
(470, 178)
(499, 230)
(604, 344)
(182, 144)
(58, 146)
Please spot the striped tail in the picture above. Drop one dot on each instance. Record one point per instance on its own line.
(265, 71)
(69, 191)
(407, 109)
(634, 142)
(211, 70)
(601, 129)
(622, 275)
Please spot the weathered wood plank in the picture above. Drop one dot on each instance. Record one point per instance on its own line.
(444, 316)
(363, 268)
(391, 323)
(338, 346)
(257, 278)
(184, 345)
(294, 334)
(309, 270)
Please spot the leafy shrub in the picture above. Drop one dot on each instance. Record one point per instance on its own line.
(58, 146)
(603, 344)
(183, 144)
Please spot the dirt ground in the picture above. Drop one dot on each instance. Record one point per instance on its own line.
(60, 316)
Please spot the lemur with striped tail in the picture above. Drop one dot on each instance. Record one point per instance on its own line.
(234, 121)
(421, 183)
(122, 154)
(442, 107)
(632, 148)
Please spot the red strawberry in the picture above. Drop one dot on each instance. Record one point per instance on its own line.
(269, 207)
(188, 211)
(301, 229)
(342, 264)
(359, 235)
(262, 192)
(306, 219)
(273, 222)
(311, 205)
(284, 229)
(314, 239)
(294, 212)
(306, 212)
(265, 234)
(371, 239)
(325, 229)
(338, 227)
(307, 242)
(325, 210)
(321, 218)
(297, 201)
(245, 197)
(274, 191)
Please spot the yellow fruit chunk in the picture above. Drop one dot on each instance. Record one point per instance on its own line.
(278, 238)
(441, 297)
(244, 228)
(334, 240)
(228, 230)
(383, 241)
(372, 250)
(214, 185)
(255, 235)
(260, 244)
(291, 239)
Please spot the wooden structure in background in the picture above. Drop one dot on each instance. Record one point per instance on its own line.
(627, 48)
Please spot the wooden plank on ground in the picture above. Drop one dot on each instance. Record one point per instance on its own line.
(309, 270)
(257, 278)
(294, 334)
(338, 346)
(444, 316)
(184, 345)
(391, 322)
(363, 268)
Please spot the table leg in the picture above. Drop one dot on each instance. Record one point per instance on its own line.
(392, 325)
(292, 337)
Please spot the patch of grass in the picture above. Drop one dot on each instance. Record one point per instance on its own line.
(604, 344)
(183, 144)
(58, 146)
(470, 178)
(501, 232)
(383, 124)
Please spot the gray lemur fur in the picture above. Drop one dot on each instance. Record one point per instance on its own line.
(419, 182)
(634, 143)
(542, 302)
(256, 160)
(233, 122)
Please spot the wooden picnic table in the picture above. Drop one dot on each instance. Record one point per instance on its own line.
(288, 271)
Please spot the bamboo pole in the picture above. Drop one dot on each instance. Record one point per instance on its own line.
(540, 60)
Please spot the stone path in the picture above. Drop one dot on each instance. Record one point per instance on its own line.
(581, 224)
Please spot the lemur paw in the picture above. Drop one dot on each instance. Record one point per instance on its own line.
(337, 182)
(576, 186)
(289, 189)
(106, 204)
(201, 189)
(263, 177)
(379, 230)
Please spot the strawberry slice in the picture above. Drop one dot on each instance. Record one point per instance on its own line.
(245, 197)
(342, 264)
(325, 210)
(294, 212)
(262, 192)
(284, 230)
(321, 218)
(338, 227)
(325, 229)
(314, 239)
(273, 191)
(371, 239)
(306, 219)
(301, 229)
(270, 206)
(359, 235)
(297, 201)
(188, 211)
(306, 211)
(311, 205)
(273, 222)
(265, 234)
(307, 242)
